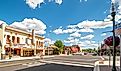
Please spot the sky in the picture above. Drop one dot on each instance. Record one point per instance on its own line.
(75, 22)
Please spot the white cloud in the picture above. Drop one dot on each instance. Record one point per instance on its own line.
(76, 34)
(72, 26)
(105, 11)
(94, 24)
(118, 10)
(70, 38)
(48, 41)
(93, 42)
(88, 37)
(68, 41)
(69, 30)
(29, 24)
(83, 0)
(58, 31)
(58, 1)
(88, 44)
(37, 3)
(19, 25)
(2, 22)
(104, 34)
(34, 3)
(85, 30)
(72, 41)
(61, 31)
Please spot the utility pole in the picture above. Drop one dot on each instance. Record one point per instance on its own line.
(120, 52)
(113, 13)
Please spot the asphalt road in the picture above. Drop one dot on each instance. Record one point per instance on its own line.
(57, 63)
(47, 67)
(82, 60)
(57, 67)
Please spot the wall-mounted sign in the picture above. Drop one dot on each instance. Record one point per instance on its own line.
(117, 26)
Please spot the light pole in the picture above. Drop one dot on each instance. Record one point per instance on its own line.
(113, 13)
(0, 50)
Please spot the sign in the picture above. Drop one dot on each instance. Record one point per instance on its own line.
(117, 26)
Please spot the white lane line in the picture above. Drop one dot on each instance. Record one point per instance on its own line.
(69, 64)
(32, 65)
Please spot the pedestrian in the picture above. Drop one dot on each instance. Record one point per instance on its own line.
(41, 55)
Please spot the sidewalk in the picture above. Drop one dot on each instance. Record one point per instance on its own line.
(103, 65)
(24, 58)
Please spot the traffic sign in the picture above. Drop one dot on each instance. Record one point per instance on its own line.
(117, 26)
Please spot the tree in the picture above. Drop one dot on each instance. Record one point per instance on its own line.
(60, 45)
(109, 41)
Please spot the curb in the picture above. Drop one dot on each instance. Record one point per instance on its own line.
(8, 65)
(11, 60)
(22, 58)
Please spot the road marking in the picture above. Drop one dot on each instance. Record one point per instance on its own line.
(32, 65)
(69, 64)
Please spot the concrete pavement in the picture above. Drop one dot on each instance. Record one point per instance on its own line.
(103, 65)
(19, 60)
(85, 61)
(24, 58)
(82, 61)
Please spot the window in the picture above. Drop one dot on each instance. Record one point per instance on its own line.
(13, 39)
(8, 39)
(18, 40)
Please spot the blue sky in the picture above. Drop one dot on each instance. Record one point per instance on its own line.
(73, 21)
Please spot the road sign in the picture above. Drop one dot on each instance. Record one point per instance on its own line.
(117, 26)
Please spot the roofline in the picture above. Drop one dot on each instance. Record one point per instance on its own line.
(21, 31)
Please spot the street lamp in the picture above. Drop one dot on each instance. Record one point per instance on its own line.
(113, 13)
(0, 50)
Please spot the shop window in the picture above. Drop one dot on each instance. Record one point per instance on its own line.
(37, 43)
(41, 44)
(13, 39)
(8, 39)
(18, 40)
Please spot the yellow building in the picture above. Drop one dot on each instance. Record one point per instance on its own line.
(19, 42)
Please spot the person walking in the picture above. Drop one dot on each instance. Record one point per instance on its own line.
(41, 55)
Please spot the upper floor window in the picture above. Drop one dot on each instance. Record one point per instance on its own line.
(13, 39)
(8, 39)
(18, 40)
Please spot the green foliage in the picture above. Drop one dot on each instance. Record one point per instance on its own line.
(89, 50)
(60, 45)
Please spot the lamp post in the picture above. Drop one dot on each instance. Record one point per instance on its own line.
(113, 13)
(0, 50)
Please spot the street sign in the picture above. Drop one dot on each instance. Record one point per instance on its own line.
(117, 26)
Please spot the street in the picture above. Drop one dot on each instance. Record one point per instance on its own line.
(57, 63)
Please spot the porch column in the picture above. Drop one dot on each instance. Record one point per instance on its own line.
(34, 49)
(21, 51)
(43, 51)
(15, 41)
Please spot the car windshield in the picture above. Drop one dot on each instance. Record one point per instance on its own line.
(56, 35)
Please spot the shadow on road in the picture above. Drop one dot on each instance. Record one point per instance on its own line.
(57, 67)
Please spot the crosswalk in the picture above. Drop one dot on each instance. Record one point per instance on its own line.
(66, 62)
(33, 64)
